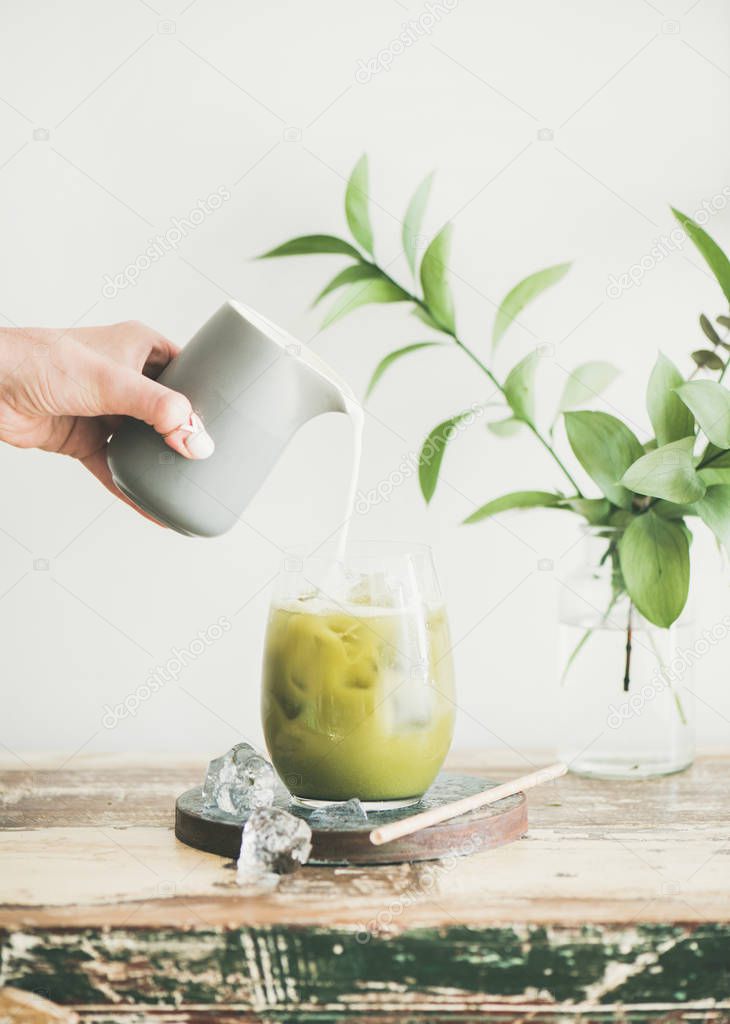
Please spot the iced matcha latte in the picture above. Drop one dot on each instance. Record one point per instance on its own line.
(357, 697)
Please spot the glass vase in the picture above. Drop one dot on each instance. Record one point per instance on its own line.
(625, 693)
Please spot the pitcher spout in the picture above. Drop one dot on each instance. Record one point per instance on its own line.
(317, 387)
(329, 391)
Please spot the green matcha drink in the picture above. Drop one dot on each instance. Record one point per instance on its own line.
(357, 698)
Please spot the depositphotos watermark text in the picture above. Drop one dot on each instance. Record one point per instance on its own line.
(179, 660)
(163, 244)
(412, 31)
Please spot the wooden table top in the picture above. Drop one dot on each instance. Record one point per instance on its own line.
(90, 847)
(92, 844)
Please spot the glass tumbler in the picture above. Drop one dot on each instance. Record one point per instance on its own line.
(358, 688)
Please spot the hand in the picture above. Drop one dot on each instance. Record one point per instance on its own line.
(66, 391)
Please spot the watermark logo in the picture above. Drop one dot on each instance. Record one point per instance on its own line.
(409, 465)
(178, 661)
(665, 677)
(412, 31)
(428, 879)
(664, 247)
(163, 244)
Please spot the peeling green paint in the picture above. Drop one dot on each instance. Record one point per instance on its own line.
(294, 970)
(696, 966)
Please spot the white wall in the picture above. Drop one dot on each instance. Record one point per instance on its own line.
(153, 106)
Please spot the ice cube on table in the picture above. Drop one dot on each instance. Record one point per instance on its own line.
(239, 781)
(215, 776)
(274, 842)
(254, 783)
(335, 815)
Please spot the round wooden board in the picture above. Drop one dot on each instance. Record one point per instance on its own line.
(345, 840)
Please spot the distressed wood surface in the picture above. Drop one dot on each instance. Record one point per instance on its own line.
(494, 1014)
(93, 844)
(616, 906)
(285, 971)
(19, 1007)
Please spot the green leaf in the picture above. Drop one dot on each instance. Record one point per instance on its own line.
(517, 499)
(686, 531)
(594, 510)
(654, 554)
(432, 452)
(425, 317)
(523, 293)
(519, 388)
(719, 458)
(505, 428)
(670, 417)
(714, 475)
(605, 448)
(705, 357)
(709, 330)
(668, 472)
(414, 219)
(724, 321)
(714, 510)
(713, 255)
(362, 294)
(586, 382)
(306, 244)
(671, 510)
(434, 280)
(710, 403)
(620, 518)
(392, 357)
(357, 272)
(356, 205)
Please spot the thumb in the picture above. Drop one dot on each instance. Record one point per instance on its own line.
(127, 393)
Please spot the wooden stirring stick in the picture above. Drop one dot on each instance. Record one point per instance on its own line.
(407, 826)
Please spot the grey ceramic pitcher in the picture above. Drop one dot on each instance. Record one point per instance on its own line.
(253, 385)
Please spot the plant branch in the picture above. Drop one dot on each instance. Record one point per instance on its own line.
(543, 441)
(629, 632)
(485, 369)
(722, 341)
(724, 370)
